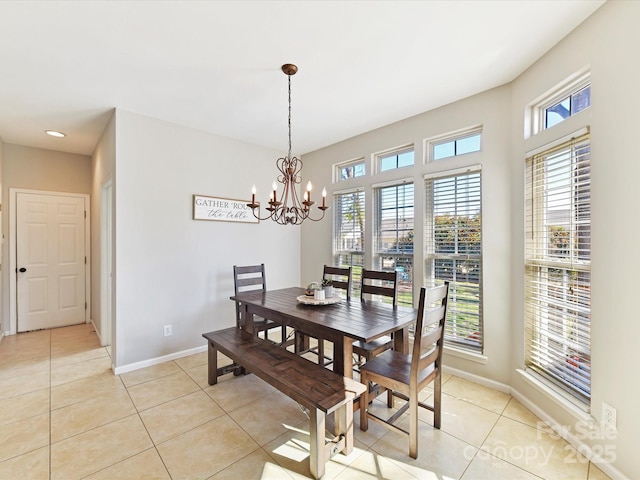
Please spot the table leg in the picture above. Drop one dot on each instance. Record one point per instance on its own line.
(343, 357)
(401, 340)
(247, 319)
(301, 342)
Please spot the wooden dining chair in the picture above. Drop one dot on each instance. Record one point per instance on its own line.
(340, 278)
(376, 283)
(251, 278)
(404, 376)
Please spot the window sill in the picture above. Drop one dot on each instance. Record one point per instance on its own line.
(579, 411)
(472, 357)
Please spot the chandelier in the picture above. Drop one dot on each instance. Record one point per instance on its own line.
(288, 209)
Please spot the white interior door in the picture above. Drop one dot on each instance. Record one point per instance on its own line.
(50, 259)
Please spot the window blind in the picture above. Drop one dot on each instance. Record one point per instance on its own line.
(453, 244)
(348, 243)
(558, 266)
(394, 235)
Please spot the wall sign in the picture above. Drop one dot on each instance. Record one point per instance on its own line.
(222, 209)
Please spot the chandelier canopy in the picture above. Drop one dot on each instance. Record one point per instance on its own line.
(288, 209)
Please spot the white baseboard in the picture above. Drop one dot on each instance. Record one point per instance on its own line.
(155, 361)
(95, 329)
(501, 387)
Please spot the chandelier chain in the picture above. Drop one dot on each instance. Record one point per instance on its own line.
(289, 122)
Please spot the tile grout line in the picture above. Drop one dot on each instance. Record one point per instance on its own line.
(155, 446)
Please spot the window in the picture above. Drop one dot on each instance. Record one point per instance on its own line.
(567, 106)
(558, 266)
(394, 232)
(453, 230)
(395, 159)
(348, 244)
(354, 169)
(451, 147)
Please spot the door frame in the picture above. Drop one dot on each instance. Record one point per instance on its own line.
(13, 290)
(106, 264)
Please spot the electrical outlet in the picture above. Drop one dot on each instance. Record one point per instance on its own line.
(609, 415)
(168, 330)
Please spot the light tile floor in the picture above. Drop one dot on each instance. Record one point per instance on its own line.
(64, 415)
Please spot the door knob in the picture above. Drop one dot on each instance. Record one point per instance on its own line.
(22, 270)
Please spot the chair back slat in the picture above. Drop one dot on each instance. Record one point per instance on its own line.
(243, 270)
(430, 338)
(375, 282)
(242, 283)
(340, 278)
(428, 359)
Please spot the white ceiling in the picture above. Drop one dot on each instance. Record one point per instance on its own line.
(215, 65)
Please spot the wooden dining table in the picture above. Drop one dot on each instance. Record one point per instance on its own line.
(340, 323)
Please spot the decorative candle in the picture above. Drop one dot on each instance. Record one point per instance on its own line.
(253, 195)
(324, 196)
(309, 187)
(274, 187)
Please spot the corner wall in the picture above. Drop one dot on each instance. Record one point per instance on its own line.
(607, 43)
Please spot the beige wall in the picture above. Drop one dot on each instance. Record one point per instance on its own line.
(171, 269)
(607, 44)
(37, 169)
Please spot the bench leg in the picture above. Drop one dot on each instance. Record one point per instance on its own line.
(213, 364)
(317, 456)
(343, 419)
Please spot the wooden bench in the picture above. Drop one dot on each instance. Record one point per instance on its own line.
(316, 388)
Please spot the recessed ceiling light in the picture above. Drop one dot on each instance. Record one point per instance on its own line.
(53, 133)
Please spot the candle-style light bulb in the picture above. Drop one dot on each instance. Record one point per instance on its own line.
(308, 197)
(274, 187)
(324, 196)
(253, 195)
(253, 190)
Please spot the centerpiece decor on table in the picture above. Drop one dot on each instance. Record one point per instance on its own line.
(327, 286)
